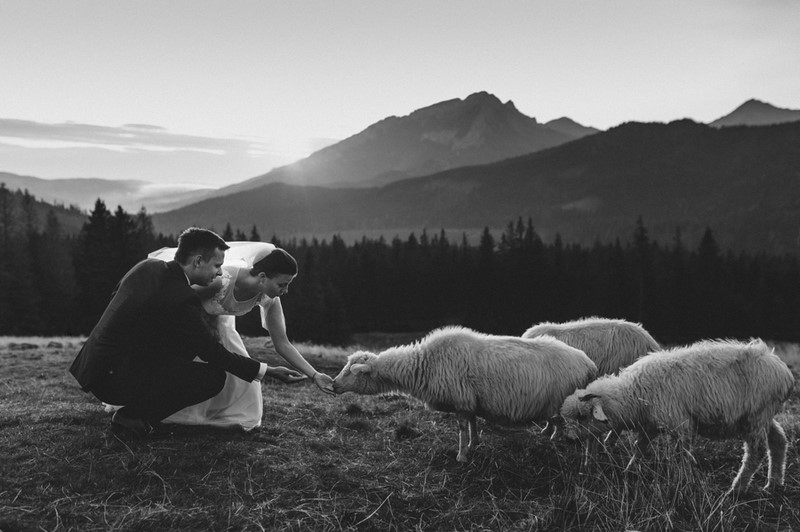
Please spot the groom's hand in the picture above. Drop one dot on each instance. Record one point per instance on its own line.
(285, 374)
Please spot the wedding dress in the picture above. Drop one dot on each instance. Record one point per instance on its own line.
(240, 403)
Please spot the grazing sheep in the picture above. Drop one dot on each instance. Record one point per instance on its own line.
(716, 389)
(611, 344)
(503, 379)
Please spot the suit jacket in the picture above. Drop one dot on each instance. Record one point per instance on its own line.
(153, 313)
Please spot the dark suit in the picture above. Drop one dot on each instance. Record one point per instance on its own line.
(140, 354)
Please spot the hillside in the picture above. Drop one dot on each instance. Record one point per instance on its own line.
(70, 219)
(82, 193)
(740, 181)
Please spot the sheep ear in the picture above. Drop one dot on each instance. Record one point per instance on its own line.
(355, 369)
(597, 412)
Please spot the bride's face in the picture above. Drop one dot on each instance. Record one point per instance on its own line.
(278, 285)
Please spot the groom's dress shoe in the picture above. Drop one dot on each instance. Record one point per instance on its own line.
(131, 425)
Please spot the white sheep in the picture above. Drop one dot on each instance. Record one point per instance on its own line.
(715, 389)
(503, 379)
(611, 344)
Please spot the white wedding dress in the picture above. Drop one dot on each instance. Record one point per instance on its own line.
(240, 403)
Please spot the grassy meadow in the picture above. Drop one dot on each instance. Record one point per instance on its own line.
(346, 463)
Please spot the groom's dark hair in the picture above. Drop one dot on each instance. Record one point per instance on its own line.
(195, 240)
(276, 263)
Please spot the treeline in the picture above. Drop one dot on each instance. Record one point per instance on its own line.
(506, 284)
(54, 283)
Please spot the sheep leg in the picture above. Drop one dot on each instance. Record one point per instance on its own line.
(474, 437)
(589, 450)
(463, 436)
(642, 442)
(776, 441)
(754, 450)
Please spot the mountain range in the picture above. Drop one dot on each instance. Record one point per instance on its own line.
(479, 129)
(741, 181)
(468, 164)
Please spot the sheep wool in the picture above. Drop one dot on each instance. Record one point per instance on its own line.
(716, 389)
(503, 379)
(611, 344)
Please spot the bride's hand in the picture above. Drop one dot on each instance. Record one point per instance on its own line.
(285, 374)
(324, 382)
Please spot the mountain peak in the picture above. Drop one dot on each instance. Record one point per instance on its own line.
(483, 100)
(482, 96)
(757, 113)
(757, 105)
(570, 127)
(489, 101)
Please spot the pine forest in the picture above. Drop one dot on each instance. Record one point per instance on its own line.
(58, 283)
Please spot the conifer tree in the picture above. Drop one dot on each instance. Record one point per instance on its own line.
(644, 268)
(56, 280)
(95, 273)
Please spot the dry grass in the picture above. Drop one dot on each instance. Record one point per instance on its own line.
(344, 463)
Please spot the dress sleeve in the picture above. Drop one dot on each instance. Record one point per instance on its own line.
(215, 305)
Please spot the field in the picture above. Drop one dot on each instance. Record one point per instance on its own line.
(346, 463)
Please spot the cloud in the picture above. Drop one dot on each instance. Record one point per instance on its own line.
(27, 133)
(144, 126)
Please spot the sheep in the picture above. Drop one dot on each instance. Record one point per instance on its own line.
(715, 388)
(503, 379)
(611, 344)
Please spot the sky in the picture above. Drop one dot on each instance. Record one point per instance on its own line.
(211, 93)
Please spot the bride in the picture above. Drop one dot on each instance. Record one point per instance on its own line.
(253, 274)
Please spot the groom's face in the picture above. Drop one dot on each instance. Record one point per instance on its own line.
(205, 271)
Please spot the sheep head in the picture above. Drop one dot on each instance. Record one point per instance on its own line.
(356, 376)
(584, 416)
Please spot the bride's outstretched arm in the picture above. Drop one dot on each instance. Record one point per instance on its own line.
(276, 325)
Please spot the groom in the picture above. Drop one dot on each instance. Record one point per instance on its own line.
(140, 354)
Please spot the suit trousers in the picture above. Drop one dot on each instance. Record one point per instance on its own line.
(160, 389)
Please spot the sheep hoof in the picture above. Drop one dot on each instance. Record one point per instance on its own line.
(773, 489)
(737, 490)
(461, 457)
